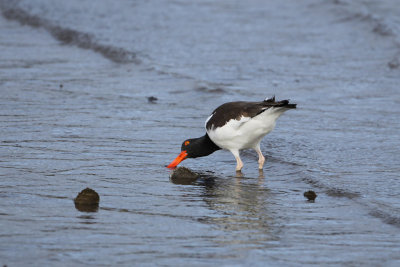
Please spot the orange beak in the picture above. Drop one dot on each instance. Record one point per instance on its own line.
(182, 156)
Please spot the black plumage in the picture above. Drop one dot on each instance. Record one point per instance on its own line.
(235, 110)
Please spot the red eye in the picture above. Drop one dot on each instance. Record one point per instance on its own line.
(186, 143)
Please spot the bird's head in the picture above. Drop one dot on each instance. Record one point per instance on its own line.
(186, 152)
(194, 148)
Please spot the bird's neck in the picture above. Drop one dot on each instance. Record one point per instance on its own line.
(203, 146)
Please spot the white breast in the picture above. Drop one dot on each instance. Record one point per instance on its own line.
(246, 132)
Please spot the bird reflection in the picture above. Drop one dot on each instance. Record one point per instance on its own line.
(261, 176)
(240, 207)
(239, 174)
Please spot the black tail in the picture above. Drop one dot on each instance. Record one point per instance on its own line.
(270, 100)
(283, 103)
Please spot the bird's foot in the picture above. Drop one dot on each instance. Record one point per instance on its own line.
(239, 164)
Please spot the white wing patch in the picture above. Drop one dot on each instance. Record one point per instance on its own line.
(235, 124)
(209, 118)
(232, 124)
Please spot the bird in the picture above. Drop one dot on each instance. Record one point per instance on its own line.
(235, 126)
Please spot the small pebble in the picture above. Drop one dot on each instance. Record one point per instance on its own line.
(152, 99)
(394, 63)
(310, 195)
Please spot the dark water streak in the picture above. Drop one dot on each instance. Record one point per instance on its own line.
(68, 36)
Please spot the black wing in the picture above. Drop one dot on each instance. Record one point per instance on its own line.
(235, 110)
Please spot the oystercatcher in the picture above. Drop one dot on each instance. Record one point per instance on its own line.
(235, 126)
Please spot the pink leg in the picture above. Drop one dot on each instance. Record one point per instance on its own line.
(239, 162)
(261, 158)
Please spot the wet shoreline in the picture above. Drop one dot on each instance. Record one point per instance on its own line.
(100, 130)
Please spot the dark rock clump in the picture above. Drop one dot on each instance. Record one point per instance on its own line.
(87, 200)
(182, 175)
(310, 195)
(152, 99)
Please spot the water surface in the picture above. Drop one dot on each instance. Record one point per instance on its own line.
(75, 80)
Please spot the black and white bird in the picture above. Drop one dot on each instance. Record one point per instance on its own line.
(235, 126)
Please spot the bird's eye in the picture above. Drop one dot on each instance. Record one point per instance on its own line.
(186, 143)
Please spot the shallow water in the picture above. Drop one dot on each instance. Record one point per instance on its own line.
(75, 80)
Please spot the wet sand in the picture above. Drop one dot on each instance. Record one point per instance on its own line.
(73, 116)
